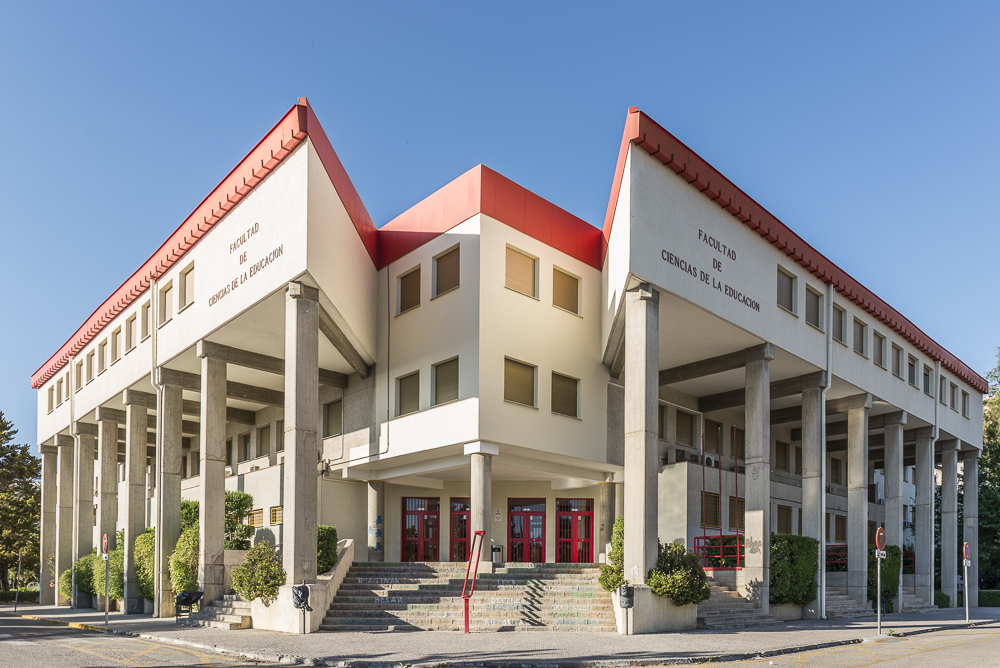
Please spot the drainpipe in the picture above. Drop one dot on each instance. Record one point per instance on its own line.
(158, 459)
(822, 450)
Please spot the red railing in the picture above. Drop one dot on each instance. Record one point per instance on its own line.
(720, 552)
(910, 562)
(836, 557)
(467, 591)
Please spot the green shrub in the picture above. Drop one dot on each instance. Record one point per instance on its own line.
(116, 569)
(989, 598)
(613, 572)
(793, 565)
(891, 566)
(238, 532)
(66, 584)
(326, 548)
(144, 550)
(941, 599)
(184, 561)
(84, 568)
(724, 557)
(260, 575)
(679, 576)
(24, 595)
(189, 514)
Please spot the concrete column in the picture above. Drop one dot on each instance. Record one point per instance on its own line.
(135, 495)
(107, 475)
(893, 471)
(642, 460)
(949, 520)
(168, 496)
(812, 480)
(83, 497)
(857, 500)
(64, 512)
(607, 517)
(481, 497)
(619, 500)
(47, 540)
(923, 525)
(376, 521)
(212, 490)
(301, 422)
(758, 479)
(970, 508)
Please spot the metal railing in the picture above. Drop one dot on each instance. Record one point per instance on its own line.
(721, 552)
(836, 557)
(467, 591)
(910, 562)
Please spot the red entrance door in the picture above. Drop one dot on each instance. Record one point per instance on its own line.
(575, 533)
(526, 531)
(421, 529)
(460, 509)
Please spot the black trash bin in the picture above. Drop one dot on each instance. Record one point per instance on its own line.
(497, 555)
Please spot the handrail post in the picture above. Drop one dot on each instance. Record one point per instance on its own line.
(474, 553)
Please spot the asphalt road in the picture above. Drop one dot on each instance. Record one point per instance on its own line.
(25, 643)
(977, 647)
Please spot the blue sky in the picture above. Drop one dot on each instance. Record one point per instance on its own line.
(869, 128)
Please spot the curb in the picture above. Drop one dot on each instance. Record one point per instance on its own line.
(565, 663)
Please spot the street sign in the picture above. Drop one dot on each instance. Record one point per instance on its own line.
(880, 554)
(967, 562)
(880, 540)
(104, 556)
(967, 551)
(104, 545)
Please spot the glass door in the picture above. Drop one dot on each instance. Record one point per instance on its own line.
(575, 532)
(460, 509)
(526, 531)
(420, 529)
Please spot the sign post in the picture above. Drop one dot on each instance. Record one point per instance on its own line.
(17, 582)
(967, 561)
(879, 556)
(107, 569)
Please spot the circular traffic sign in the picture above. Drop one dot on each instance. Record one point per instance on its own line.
(104, 544)
(967, 550)
(880, 539)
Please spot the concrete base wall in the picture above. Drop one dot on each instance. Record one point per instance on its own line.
(232, 559)
(654, 614)
(786, 612)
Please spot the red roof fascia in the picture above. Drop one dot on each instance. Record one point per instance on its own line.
(482, 190)
(646, 133)
(289, 132)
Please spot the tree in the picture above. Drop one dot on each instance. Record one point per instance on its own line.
(989, 486)
(238, 532)
(20, 506)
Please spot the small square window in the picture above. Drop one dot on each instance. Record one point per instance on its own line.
(565, 392)
(897, 361)
(860, 337)
(518, 382)
(710, 510)
(446, 271)
(685, 429)
(90, 366)
(911, 370)
(814, 308)
(52, 398)
(130, 340)
(838, 324)
(565, 291)
(145, 319)
(784, 520)
(408, 388)
(166, 303)
(520, 272)
(256, 518)
(878, 349)
(59, 392)
(79, 375)
(409, 290)
(333, 419)
(102, 356)
(116, 345)
(187, 286)
(786, 290)
(277, 514)
(841, 522)
(445, 382)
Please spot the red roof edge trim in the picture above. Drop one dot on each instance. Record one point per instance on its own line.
(646, 133)
(628, 136)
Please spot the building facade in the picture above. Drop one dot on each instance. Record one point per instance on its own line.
(488, 362)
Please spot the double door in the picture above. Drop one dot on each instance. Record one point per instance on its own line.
(575, 531)
(526, 531)
(460, 528)
(421, 529)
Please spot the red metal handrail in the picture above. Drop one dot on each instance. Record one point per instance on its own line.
(718, 551)
(909, 563)
(835, 553)
(476, 548)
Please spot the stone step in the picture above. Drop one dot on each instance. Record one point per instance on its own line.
(473, 614)
(722, 626)
(242, 606)
(221, 621)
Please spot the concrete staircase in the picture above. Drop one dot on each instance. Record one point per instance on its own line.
(728, 610)
(427, 596)
(913, 603)
(841, 606)
(229, 612)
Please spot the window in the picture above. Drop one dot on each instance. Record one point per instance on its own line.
(943, 392)
(445, 382)
(838, 324)
(518, 382)
(662, 421)
(59, 392)
(786, 290)
(835, 472)
(130, 333)
(116, 345)
(256, 518)
(520, 272)
(184, 466)
(166, 303)
(195, 463)
(79, 375)
(446, 272)
(713, 437)
(187, 287)
(872, 528)
(565, 391)
(277, 514)
(860, 336)
(145, 320)
(710, 509)
(244, 453)
(279, 436)
(927, 381)
(911, 370)
(737, 514)
(229, 452)
(841, 526)
(739, 436)
(784, 520)
(52, 398)
(878, 349)
(897, 361)
(102, 356)
(90, 366)
(264, 441)
(814, 302)
(781, 457)
(333, 418)
(409, 290)
(685, 429)
(954, 397)
(965, 403)
(408, 389)
(565, 291)
(798, 460)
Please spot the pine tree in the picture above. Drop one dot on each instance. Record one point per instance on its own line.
(20, 506)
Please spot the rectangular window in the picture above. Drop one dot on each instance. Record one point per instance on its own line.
(834, 471)
(781, 456)
(166, 303)
(685, 429)
(187, 286)
(872, 528)
(710, 509)
(279, 436)
(786, 290)
(838, 324)
(333, 418)
(518, 382)
(520, 273)
(784, 520)
(897, 361)
(229, 452)
(911, 370)
(965, 403)
(409, 290)
(102, 356)
(264, 441)
(798, 460)
(244, 447)
(445, 382)
(662, 422)
(59, 394)
(195, 463)
(130, 340)
(860, 336)
(116, 345)
(713, 437)
(943, 391)
(841, 525)
(90, 366)
(737, 514)
(256, 518)
(954, 397)
(878, 349)
(277, 514)
(565, 391)
(408, 388)
(446, 272)
(927, 381)
(814, 302)
(145, 320)
(565, 291)
(79, 375)
(738, 439)
(184, 466)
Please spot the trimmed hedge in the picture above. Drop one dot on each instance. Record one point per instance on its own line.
(84, 568)
(260, 575)
(989, 598)
(116, 565)
(793, 564)
(238, 530)
(941, 599)
(326, 548)
(144, 550)
(26, 596)
(184, 561)
(189, 514)
(891, 566)
(679, 576)
(613, 572)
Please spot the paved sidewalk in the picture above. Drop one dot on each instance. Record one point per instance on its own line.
(520, 648)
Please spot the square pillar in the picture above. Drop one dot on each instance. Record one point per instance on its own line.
(757, 535)
(107, 474)
(301, 438)
(642, 459)
(481, 497)
(212, 490)
(949, 520)
(47, 539)
(376, 521)
(970, 508)
(857, 498)
(893, 472)
(168, 495)
(135, 496)
(812, 479)
(64, 512)
(607, 520)
(923, 525)
(83, 497)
